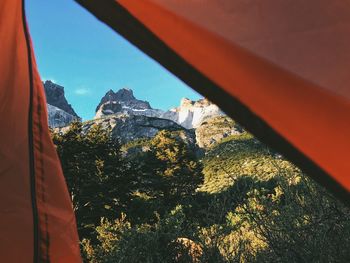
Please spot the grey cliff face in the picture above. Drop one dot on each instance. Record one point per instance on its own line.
(124, 97)
(191, 114)
(128, 127)
(123, 101)
(59, 118)
(110, 108)
(60, 113)
(55, 97)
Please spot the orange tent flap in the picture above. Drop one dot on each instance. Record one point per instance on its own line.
(309, 38)
(269, 76)
(37, 220)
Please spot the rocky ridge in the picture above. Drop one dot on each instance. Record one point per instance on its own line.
(58, 117)
(129, 127)
(55, 97)
(190, 114)
(118, 111)
(60, 112)
(123, 101)
(200, 122)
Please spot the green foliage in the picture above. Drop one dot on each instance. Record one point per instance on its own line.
(241, 155)
(135, 143)
(168, 174)
(97, 176)
(152, 204)
(176, 164)
(122, 242)
(297, 222)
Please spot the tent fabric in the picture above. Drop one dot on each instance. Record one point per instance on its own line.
(278, 67)
(37, 222)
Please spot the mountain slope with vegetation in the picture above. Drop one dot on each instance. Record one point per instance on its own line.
(241, 155)
(159, 199)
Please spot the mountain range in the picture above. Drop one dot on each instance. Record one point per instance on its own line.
(190, 114)
(200, 122)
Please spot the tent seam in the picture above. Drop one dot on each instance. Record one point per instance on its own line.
(31, 142)
(43, 189)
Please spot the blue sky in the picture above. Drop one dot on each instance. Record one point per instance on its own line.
(86, 57)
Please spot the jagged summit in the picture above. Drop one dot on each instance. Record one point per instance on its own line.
(55, 97)
(50, 83)
(123, 101)
(124, 94)
(186, 102)
(60, 112)
(125, 97)
(189, 114)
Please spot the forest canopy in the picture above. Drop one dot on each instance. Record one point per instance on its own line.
(160, 200)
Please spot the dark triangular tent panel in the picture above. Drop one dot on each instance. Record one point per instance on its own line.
(37, 222)
(280, 68)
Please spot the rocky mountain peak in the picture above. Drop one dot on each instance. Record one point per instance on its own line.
(110, 92)
(190, 114)
(124, 97)
(124, 101)
(49, 84)
(124, 94)
(60, 112)
(203, 103)
(55, 97)
(185, 102)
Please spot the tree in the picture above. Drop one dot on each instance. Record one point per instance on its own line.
(175, 166)
(98, 177)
